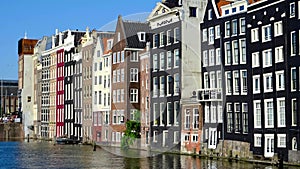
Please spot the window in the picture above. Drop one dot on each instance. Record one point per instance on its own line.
(213, 112)
(234, 10)
(245, 117)
(155, 113)
(269, 113)
(256, 84)
(169, 85)
(281, 112)
(294, 112)
(134, 96)
(227, 53)
(161, 116)
(176, 137)
(206, 80)
(255, 59)
(219, 79)
(220, 112)
(217, 31)
(234, 27)
(169, 60)
(114, 58)
(227, 29)
(236, 84)
(242, 25)
(293, 43)
(162, 86)
(257, 140)
(278, 28)
(187, 118)
(211, 57)
(162, 61)
(237, 117)
(118, 57)
(228, 83)
(176, 112)
(155, 65)
(267, 58)
(118, 75)
(161, 39)
(293, 79)
(169, 112)
(292, 10)
(266, 33)
(196, 119)
(210, 14)
(204, 35)
(254, 35)
(243, 51)
(193, 12)
(168, 37)
(205, 58)
(134, 57)
(244, 81)
(218, 56)
(176, 84)
(211, 35)
(194, 137)
(176, 58)
(212, 79)
(235, 52)
(187, 137)
(155, 40)
(176, 35)
(268, 85)
(257, 113)
(122, 76)
(229, 118)
(281, 140)
(279, 54)
(280, 80)
(155, 86)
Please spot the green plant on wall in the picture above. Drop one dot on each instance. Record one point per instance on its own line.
(132, 132)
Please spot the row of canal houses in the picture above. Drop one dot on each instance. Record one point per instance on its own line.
(218, 77)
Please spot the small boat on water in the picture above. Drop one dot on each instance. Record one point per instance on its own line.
(65, 140)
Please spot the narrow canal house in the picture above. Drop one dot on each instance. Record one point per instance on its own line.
(273, 50)
(225, 68)
(130, 38)
(175, 75)
(101, 88)
(144, 75)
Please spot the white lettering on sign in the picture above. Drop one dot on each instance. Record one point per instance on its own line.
(164, 22)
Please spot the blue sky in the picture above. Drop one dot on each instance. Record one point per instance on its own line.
(41, 18)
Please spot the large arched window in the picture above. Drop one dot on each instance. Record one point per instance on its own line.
(294, 144)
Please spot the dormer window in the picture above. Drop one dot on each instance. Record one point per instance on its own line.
(142, 36)
(209, 14)
(109, 44)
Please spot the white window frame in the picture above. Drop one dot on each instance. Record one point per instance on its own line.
(244, 80)
(234, 25)
(271, 118)
(255, 59)
(293, 47)
(268, 82)
(162, 61)
(293, 86)
(235, 52)
(228, 86)
(243, 51)
(212, 78)
(257, 112)
(278, 30)
(206, 80)
(242, 26)
(254, 35)
(257, 140)
(211, 35)
(169, 59)
(281, 113)
(211, 57)
(294, 112)
(205, 58)
(266, 33)
(292, 10)
(134, 74)
(236, 82)
(218, 56)
(227, 29)
(280, 80)
(162, 89)
(267, 58)
(279, 141)
(279, 55)
(228, 55)
(217, 32)
(256, 90)
(204, 35)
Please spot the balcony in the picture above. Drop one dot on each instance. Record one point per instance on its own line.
(209, 95)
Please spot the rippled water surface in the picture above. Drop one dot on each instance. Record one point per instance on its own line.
(46, 155)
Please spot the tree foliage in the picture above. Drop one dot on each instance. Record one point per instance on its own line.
(132, 132)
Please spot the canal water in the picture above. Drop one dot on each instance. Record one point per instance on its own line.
(19, 154)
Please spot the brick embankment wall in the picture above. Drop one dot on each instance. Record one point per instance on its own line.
(11, 131)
